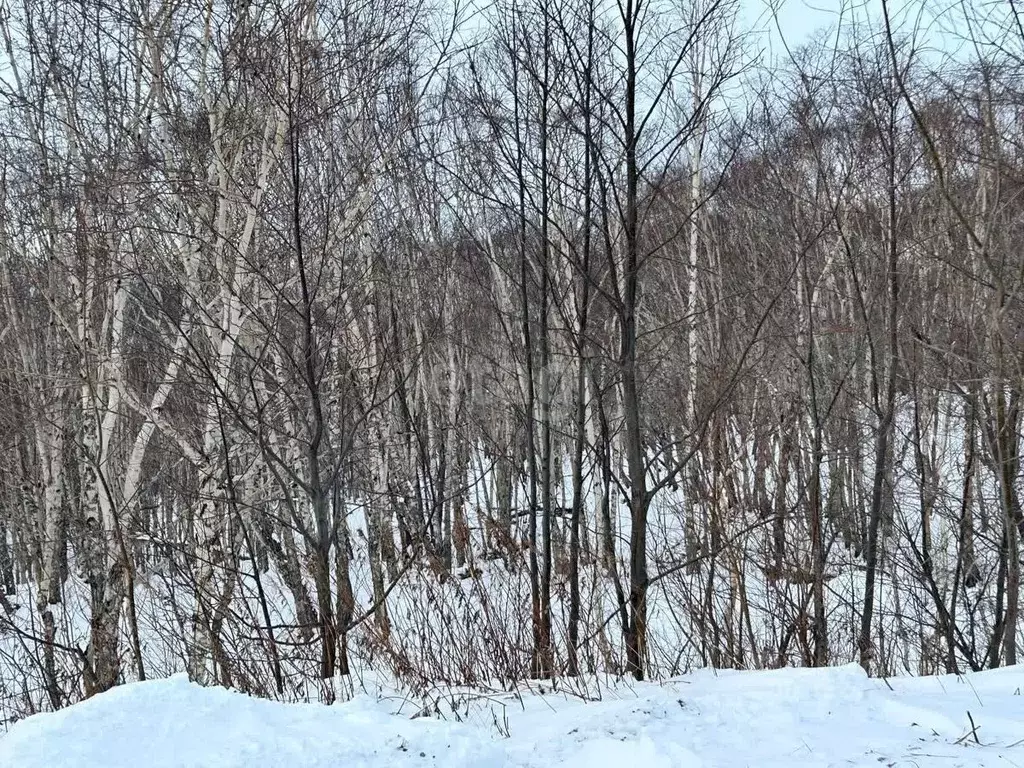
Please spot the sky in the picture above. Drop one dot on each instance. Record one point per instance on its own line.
(942, 27)
(798, 19)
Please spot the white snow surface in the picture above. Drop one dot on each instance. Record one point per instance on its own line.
(793, 717)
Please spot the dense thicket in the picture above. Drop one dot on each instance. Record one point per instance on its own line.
(537, 340)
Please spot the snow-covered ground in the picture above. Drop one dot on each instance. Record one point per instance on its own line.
(792, 717)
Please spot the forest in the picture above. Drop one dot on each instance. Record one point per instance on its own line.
(465, 344)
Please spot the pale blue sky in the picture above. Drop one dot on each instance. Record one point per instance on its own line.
(798, 19)
(943, 27)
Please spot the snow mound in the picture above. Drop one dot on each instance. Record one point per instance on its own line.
(782, 719)
(173, 723)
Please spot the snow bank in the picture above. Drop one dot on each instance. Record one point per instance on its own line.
(786, 718)
(173, 723)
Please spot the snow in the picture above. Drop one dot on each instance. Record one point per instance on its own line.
(792, 717)
(174, 723)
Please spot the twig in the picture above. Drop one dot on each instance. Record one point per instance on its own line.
(973, 732)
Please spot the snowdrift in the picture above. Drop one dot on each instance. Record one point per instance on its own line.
(173, 723)
(833, 717)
